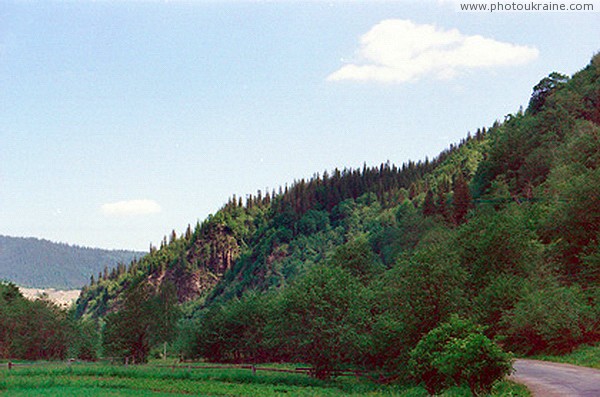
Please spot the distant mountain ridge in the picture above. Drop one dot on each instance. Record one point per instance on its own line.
(38, 263)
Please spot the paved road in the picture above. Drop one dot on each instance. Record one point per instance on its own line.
(545, 379)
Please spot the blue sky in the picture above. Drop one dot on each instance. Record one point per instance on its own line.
(123, 120)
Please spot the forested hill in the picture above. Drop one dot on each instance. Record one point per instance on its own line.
(39, 263)
(501, 229)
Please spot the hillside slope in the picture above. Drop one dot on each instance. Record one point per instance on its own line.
(501, 228)
(39, 263)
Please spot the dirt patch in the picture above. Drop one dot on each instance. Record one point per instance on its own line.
(63, 298)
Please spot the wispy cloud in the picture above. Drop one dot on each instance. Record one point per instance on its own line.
(131, 208)
(398, 51)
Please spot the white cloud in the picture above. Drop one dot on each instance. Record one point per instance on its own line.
(397, 51)
(131, 207)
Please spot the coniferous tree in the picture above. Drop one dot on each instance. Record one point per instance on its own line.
(462, 199)
(429, 207)
(442, 207)
(543, 89)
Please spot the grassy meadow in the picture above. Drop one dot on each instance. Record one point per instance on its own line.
(59, 379)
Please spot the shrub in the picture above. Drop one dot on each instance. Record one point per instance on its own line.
(475, 360)
(457, 352)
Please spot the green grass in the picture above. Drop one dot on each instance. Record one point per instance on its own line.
(85, 391)
(105, 380)
(585, 356)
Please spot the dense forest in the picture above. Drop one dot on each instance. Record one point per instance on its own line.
(492, 243)
(36, 263)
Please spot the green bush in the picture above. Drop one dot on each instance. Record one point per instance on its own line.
(457, 352)
(474, 360)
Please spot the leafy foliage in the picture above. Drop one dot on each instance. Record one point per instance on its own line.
(322, 320)
(32, 329)
(543, 89)
(232, 332)
(144, 320)
(457, 352)
(554, 319)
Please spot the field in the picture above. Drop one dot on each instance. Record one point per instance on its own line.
(78, 379)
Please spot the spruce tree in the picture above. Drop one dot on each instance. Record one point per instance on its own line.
(462, 200)
(429, 207)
